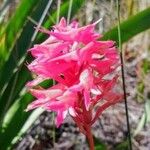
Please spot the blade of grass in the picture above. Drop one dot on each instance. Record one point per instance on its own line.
(17, 119)
(14, 121)
(69, 11)
(20, 47)
(13, 28)
(31, 119)
(22, 44)
(7, 99)
(41, 20)
(145, 118)
(58, 10)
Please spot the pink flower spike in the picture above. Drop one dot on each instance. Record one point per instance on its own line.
(83, 68)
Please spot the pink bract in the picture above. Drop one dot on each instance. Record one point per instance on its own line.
(82, 67)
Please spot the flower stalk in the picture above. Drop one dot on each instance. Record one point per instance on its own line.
(89, 137)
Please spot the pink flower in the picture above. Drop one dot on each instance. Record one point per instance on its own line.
(81, 65)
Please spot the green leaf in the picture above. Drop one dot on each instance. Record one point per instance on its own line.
(31, 119)
(131, 27)
(13, 28)
(147, 110)
(98, 145)
(18, 116)
(122, 146)
(15, 25)
(14, 121)
(140, 125)
(14, 87)
(17, 56)
(144, 119)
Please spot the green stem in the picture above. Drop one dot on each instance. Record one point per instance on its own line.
(69, 11)
(123, 77)
(58, 10)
